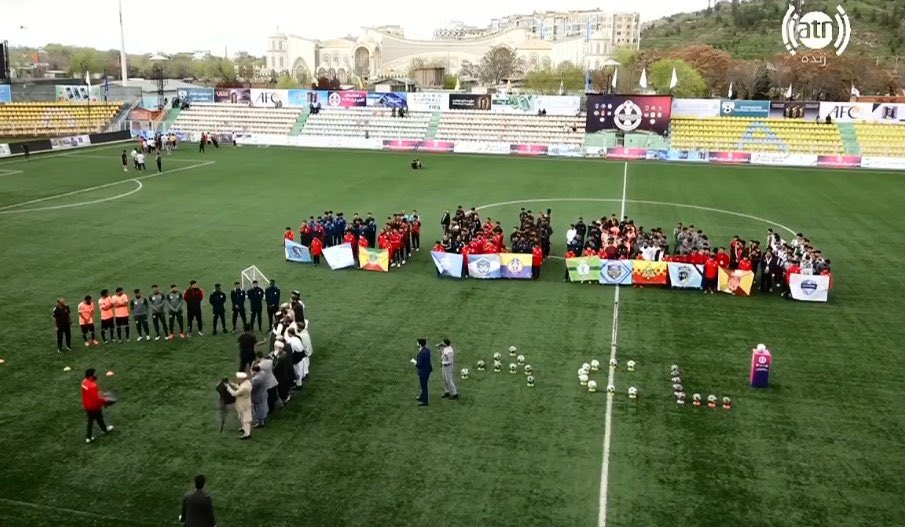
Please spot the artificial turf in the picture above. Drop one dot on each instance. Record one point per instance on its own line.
(820, 447)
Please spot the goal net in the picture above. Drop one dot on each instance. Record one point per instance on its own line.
(250, 274)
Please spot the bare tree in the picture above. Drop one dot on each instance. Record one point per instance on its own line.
(501, 62)
(748, 78)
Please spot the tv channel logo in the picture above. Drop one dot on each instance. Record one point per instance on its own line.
(816, 30)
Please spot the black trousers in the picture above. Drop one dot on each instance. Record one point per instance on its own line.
(64, 333)
(221, 316)
(177, 317)
(317, 259)
(87, 332)
(766, 281)
(160, 320)
(535, 272)
(195, 314)
(141, 325)
(237, 313)
(271, 313)
(422, 380)
(256, 314)
(272, 396)
(416, 240)
(96, 416)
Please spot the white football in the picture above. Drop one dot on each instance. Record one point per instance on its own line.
(513, 368)
(581, 371)
(530, 380)
(611, 389)
(497, 356)
(630, 365)
(633, 392)
(465, 373)
(727, 400)
(677, 387)
(592, 386)
(583, 379)
(528, 369)
(677, 380)
(711, 398)
(520, 359)
(586, 367)
(761, 347)
(613, 363)
(696, 396)
(512, 350)
(595, 365)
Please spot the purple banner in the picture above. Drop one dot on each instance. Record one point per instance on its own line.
(626, 153)
(839, 161)
(416, 145)
(730, 158)
(232, 95)
(528, 150)
(346, 99)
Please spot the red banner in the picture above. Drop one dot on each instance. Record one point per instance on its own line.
(528, 150)
(839, 161)
(419, 146)
(649, 273)
(730, 158)
(626, 153)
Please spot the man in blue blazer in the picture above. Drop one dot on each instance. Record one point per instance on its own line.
(423, 365)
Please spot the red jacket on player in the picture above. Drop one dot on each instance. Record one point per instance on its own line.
(349, 238)
(91, 396)
(570, 254)
(317, 247)
(439, 248)
(711, 267)
(363, 242)
(699, 258)
(744, 264)
(722, 259)
(416, 227)
(288, 235)
(537, 256)
(793, 269)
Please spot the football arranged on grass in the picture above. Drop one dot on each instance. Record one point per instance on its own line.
(465, 373)
(677, 380)
(512, 350)
(677, 387)
(520, 359)
(497, 356)
(583, 380)
(528, 370)
(632, 392)
(480, 365)
(586, 367)
(497, 366)
(630, 365)
(611, 389)
(680, 398)
(513, 367)
(530, 381)
(613, 363)
(592, 386)
(595, 365)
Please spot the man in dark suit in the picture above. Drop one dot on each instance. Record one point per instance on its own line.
(423, 365)
(445, 221)
(769, 267)
(197, 507)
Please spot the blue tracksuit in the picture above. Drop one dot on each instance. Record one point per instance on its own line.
(423, 364)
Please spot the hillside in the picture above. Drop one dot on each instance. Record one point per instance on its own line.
(753, 29)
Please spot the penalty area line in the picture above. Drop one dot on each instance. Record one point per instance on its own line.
(75, 512)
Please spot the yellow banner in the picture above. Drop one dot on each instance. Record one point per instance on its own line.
(374, 259)
(736, 282)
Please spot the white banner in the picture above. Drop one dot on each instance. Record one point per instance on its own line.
(4, 150)
(775, 158)
(339, 256)
(481, 147)
(810, 288)
(62, 143)
(695, 108)
(889, 113)
(558, 104)
(310, 141)
(269, 98)
(846, 112)
(428, 101)
(882, 163)
(565, 151)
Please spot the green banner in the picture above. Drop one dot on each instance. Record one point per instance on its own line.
(584, 269)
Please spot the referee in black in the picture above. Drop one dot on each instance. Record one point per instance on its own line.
(237, 297)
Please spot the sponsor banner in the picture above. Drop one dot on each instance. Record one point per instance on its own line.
(686, 276)
(884, 163)
(448, 264)
(736, 282)
(628, 113)
(77, 93)
(506, 103)
(484, 266)
(583, 269)
(193, 95)
(300, 98)
(269, 98)
(729, 158)
(565, 151)
(6, 94)
(4, 150)
(616, 272)
(480, 147)
(740, 108)
(515, 266)
(388, 100)
(846, 112)
(528, 150)
(883, 112)
(469, 101)
(624, 152)
(810, 288)
(839, 161)
(343, 99)
(649, 273)
(339, 256)
(696, 108)
(62, 143)
(428, 101)
(417, 145)
(794, 110)
(296, 252)
(374, 259)
(558, 104)
(776, 158)
(677, 155)
(358, 143)
(232, 95)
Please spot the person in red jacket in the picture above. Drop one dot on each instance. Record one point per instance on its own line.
(744, 264)
(416, 233)
(537, 258)
(438, 247)
(569, 254)
(317, 248)
(722, 258)
(795, 268)
(288, 235)
(711, 275)
(363, 241)
(193, 297)
(93, 403)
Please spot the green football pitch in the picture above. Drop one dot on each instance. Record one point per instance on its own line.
(821, 446)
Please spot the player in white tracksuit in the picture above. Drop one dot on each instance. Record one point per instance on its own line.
(448, 365)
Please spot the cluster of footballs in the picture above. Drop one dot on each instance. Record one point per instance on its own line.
(594, 365)
(679, 393)
(513, 366)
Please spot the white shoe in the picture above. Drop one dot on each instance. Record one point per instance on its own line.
(109, 428)
(156, 338)
(200, 334)
(403, 262)
(148, 338)
(89, 439)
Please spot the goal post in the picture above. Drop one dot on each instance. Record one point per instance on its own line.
(250, 274)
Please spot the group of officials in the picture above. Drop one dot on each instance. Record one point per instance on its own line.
(424, 367)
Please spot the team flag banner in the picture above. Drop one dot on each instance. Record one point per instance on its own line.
(448, 264)
(584, 269)
(339, 256)
(515, 266)
(374, 259)
(810, 288)
(736, 282)
(649, 273)
(296, 252)
(484, 266)
(616, 272)
(686, 276)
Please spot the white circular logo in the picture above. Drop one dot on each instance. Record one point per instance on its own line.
(628, 116)
(815, 30)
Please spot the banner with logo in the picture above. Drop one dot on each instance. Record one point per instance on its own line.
(810, 288)
(343, 99)
(649, 273)
(729, 158)
(481, 147)
(583, 269)
(794, 110)
(846, 112)
(469, 101)
(695, 108)
(685, 276)
(740, 108)
(374, 259)
(448, 264)
(62, 143)
(517, 266)
(296, 252)
(428, 101)
(677, 155)
(77, 93)
(339, 256)
(484, 266)
(388, 100)
(883, 112)
(300, 98)
(626, 153)
(565, 151)
(783, 159)
(193, 95)
(839, 161)
(735, 282)
(269, 98)
(628, 113)
(506, 103)
(418, 145)
(883, 163)
(6, 94)
(4, 150)
(528, 150)
(616, 272)
(232, 95)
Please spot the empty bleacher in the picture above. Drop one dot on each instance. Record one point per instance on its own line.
(756, 135)
(379, 123)
(218, 117)
(474, 125)
(882, 140)
(40, 119)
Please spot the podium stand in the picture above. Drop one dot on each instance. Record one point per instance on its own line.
(761, 360)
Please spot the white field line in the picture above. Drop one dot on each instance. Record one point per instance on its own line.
(168, 159)
(80, 203)
(4, 172)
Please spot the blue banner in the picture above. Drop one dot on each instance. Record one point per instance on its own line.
(6, 95)
(301, 98)
(484, 266)
(193, 95)
(296, 252)
(686, 276)
(616, 272)
(740, 108)
(388, 100)
(448, 264)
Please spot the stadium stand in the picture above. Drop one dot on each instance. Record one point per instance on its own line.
(467, 125)
(218, 117)
(378, 123)
(39, 119)
(878, 139)
(756, 135)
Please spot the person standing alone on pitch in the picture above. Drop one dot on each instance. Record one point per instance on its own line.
(140, 308)
(272, 297)
(218, 306)
(121, 314)
(448, 365)
(125, 159)
(237, 297)
(159, 163)
(256, 300)
(193, 297)
(197, 506)
(423, 365)
(94, 404)
(86, 321)
(174, 308)
(158, 312)
(62, 322)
